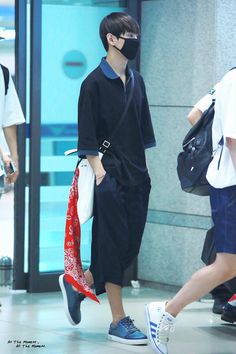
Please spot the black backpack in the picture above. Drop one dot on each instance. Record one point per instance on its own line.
(6, 76)
(193, 161)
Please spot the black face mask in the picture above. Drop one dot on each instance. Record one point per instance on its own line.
(130, 47)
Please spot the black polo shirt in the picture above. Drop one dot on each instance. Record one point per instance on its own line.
(101, 104)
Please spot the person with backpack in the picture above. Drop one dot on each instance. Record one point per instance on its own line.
(11, 115)
(221, 175)
(122, 184)
(224, 292)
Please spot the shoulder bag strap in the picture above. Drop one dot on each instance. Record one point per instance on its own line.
(106, 143)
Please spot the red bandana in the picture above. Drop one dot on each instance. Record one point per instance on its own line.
(73, 266)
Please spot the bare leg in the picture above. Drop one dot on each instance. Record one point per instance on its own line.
(114, 294)
(89, 279)
(203, 281)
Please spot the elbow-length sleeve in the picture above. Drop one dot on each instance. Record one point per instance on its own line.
(87, 122)
(146, 122)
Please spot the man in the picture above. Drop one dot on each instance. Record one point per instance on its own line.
(222, 293)
(10, 116)
(221, 175)
(122, 181)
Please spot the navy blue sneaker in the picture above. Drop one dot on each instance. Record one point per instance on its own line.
(229, 310)
(126, 332)
(72, 300)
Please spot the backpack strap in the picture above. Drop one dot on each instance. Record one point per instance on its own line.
(220, 143)
(6, 76)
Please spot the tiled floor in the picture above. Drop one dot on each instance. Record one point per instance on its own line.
(40, 318)
(35, 323)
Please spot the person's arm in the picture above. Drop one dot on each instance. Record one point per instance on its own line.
(97, 167)
(203, 104)
(231, 145)
(12, 116)
(11, 139)
(88, 111)
(146, 122)
(194, 115)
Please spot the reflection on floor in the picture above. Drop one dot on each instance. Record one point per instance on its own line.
(39, 320)
(6, 224)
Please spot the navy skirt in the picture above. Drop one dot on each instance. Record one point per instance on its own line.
(223, 208)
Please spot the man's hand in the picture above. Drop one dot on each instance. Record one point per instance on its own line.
(11, 177)
(11, 138)
(99, 178)
(97, 167)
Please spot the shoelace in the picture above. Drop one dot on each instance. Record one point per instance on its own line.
(164, 330)
(129, 325)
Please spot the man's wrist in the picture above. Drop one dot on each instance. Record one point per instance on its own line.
(100, 177)
(100, 174)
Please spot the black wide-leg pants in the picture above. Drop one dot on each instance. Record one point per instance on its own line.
(120, 214)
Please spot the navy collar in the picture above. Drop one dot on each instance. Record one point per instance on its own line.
(109, 72)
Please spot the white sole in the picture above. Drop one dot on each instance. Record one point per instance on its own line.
(153, 345)
(63, 290)
(148, 327)
(128, 341)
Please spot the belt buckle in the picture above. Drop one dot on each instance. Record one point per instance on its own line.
(106, 144)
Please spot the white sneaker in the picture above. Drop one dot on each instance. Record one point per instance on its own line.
(159, 325)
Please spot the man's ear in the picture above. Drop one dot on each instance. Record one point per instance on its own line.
(111, 39)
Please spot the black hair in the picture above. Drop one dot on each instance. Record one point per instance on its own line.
(117, 23)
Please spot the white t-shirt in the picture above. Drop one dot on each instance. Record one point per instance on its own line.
(206, 101)
(10, 108)
(224, 124)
